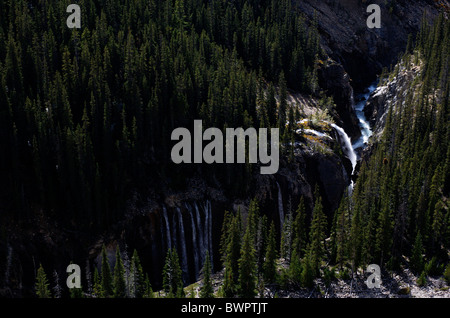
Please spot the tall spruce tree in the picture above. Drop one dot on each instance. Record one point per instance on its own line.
(317, 235)
(172, 275)
(269, 267)
(42, 284)
(119, 277)
(137, 289)
(206, 290)
(300, 230)
(107, 279)
(247, 266)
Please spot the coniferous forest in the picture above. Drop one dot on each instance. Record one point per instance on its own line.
(86, 175)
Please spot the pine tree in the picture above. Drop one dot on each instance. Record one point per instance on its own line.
(206, 290)
(356, 237)
(57, 290)
(286, 238)
(234, 248)
(342, 229)
(282, 109)
(300, 233)
(317, 236)
(253, 213)
(42, 285)
(247, 267)
(261, 239)
(148, 291)
(224, 239)
(172, 275)
(447, 274)
(136, 277)
(417, 261)
(119, 277)
(98, 292)
(269, 267)
(107, 279)
(295, 269)
(308, 273)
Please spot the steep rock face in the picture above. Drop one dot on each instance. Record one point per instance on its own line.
(389, 94)
(336, 82)
(363, 51)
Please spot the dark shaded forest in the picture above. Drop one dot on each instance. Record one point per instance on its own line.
(87, 114)
(86, 118)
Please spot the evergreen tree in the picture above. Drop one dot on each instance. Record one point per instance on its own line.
(317, 236)
(107, 279)
(119, 277)
(136, 277)
(57, 290)
(261, 239)
(172, 275)
(269, 267)
(42, 285)
(295, 269)
(341, 230)
(234, 249)
(98, 292)
(224, 238)
(247, 267)
(286, 238)
(300, 233)
(308, 273)
(206, 290)
(148, 291)
(417, 261)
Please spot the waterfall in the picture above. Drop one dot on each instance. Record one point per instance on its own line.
(346, 145)
(208, 230)
(210, 249)
(192, 244)
(174, 232)
(195, 246)
(200, 234)
(8, 264)
(366, 131)
(184, 264)
(280, 207)
(166, 219)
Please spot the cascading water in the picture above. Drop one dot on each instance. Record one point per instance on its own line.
(168, 236)
(366, 131)
(346, 145)
(184, 264)
(194, 241)
(200, 234)
(174, 232)
(280, 207)
(208, 227)
(192, 244)
(8, 264)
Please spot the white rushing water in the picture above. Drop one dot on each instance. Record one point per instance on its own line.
(280, 207)
(346, 145)
(208, 214)
(184, 264)
(200, 235)
(194, 241)
(8, 263)
(166, 219)
(366, 131)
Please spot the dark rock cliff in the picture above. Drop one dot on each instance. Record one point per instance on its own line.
(362, 51)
